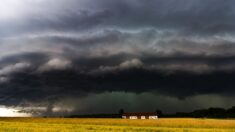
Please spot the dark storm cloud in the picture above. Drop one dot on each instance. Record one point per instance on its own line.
(57, 49)
(26, 83)
(190, 16)
(112, 102)
(37, 77)
(36, 58)
(186, 16)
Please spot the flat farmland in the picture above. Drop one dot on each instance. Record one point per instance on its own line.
(115, 125)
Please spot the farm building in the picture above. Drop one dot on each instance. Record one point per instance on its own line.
(146, 115)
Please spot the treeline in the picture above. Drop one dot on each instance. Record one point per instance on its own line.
(96, 116)
(206, 113)
(202, 113)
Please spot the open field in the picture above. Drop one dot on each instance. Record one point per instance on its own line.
(102, 125)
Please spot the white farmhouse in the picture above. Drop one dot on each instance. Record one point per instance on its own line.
(146, 115)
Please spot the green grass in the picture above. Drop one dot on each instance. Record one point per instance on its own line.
(116, 125)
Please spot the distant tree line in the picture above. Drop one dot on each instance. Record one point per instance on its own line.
(206, 113)
(96, 116)
(202, 113)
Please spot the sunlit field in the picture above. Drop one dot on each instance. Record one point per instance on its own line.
(102, 125)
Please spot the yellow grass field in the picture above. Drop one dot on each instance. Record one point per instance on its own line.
(115, 125)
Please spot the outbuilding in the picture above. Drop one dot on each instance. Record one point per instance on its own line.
(145, 115)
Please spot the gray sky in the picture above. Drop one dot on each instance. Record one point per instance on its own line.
(66, 54)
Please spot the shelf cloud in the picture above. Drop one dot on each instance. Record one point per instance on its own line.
(57, 50)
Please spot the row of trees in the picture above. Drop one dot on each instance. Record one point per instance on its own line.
(207, 113)
(202, 113)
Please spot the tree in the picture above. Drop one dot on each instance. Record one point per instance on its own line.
(159, 113)
(121, 111)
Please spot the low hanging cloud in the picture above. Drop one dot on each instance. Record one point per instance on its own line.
(55, 64)
(134, 63)
(112, 102)
(13, 68)
(6, 71)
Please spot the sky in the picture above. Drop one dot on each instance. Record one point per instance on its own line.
(63, 57)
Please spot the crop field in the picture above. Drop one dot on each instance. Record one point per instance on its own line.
(115, 125)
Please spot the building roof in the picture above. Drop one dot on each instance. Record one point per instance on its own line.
(140, 114)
